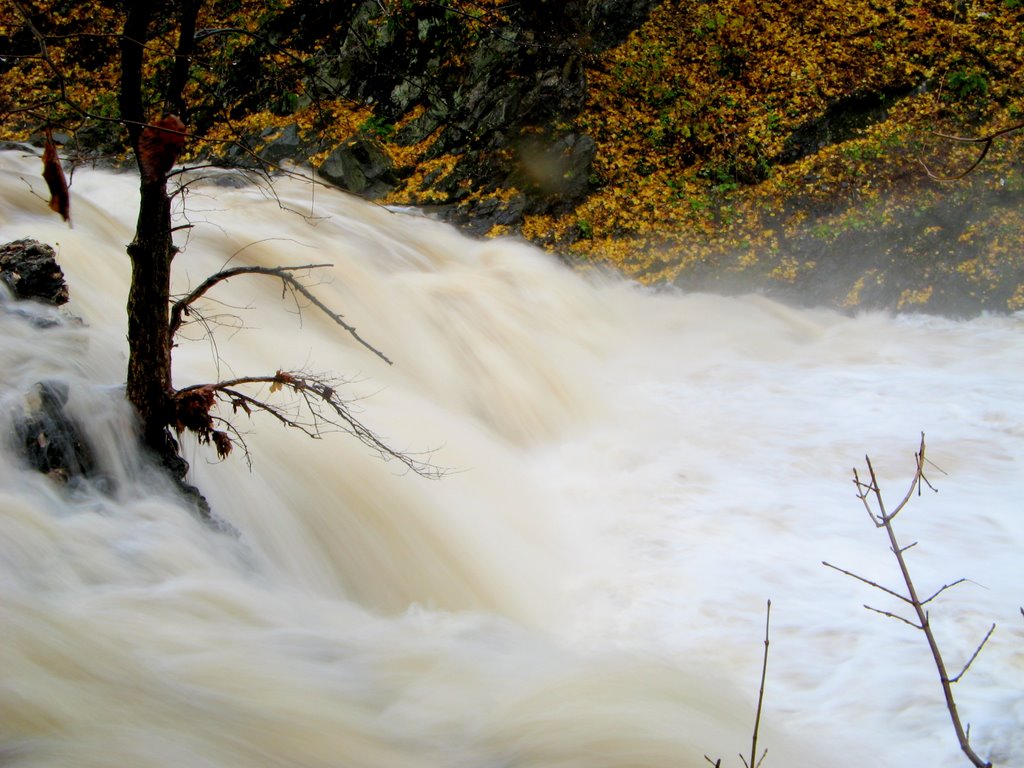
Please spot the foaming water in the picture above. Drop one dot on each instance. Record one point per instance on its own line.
(630, 477)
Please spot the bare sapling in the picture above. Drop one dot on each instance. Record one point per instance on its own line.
(870, 494)
(754, 762)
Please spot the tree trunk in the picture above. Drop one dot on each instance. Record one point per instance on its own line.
(149, 343)
(149, 387)
(189, 14)
(149, 365)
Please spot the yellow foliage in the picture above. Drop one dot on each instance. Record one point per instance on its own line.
(698, 117)
(1016, 302)
(914, 297)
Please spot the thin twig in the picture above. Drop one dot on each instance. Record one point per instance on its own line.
(974, 655)
(318, 398)
(891, 615)
(942, 589)
(760, 703)
(760, 695)
(62, 86)
(870, 583)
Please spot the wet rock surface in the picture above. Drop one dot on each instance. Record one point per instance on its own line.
(44, 433)
(30, 270)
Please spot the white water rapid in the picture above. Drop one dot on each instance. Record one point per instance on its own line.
(632, 477)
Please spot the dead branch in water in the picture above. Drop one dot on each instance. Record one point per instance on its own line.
(760, 703)
(870, 494)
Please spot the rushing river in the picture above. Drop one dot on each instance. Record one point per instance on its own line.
(630, 477)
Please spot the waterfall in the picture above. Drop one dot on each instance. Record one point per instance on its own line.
(627, 477)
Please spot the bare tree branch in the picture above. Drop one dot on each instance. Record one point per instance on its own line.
(985, 142)
(44, 54)
(870, 495)
(974, 655)
(133, 43)
(942, 589)
(874, 584)
(286, 276)
(318, 409)
(892, 615)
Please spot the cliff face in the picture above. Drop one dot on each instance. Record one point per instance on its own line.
(470, 109)
(722, 144)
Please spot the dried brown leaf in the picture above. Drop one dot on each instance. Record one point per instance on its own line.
(53, 174)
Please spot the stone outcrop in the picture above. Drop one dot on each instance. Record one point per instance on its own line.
(30, 270)
(44, 434)
(499, 93)
(361, 166)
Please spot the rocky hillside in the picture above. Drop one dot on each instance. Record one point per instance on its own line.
(780, 146)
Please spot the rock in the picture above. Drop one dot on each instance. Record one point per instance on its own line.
(48, 439)
(17, 146)
(176, 468)
(512, 78)
(361, 166)
(417, 129)
(44, 434)
(480, 217)
(611, 21)
(29, 268)
(287, 145)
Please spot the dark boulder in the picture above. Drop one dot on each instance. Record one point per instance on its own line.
(29, 268)
(361, 166)
(47, 437)
(278, 147)
(478, 217)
